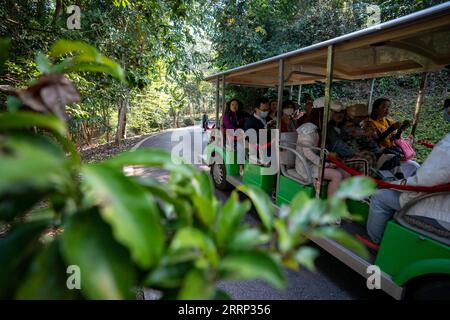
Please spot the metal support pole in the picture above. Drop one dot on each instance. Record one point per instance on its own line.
(326, 115)
(419, 102)
(291, 88)
(280, 91)
(280, 102)
(217, 102)
(369, 102)
(299, 94)
(223, 95)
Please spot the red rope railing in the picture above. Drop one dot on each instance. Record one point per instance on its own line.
(384, 184)
(426, 143)
(241, 136)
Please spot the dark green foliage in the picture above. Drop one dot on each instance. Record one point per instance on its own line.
(122, 233)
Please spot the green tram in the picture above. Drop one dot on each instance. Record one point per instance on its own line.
(414, 262)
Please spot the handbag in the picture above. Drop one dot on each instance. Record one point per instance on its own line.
(406, 146)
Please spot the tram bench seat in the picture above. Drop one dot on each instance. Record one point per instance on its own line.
(410, 216)
(288, 155)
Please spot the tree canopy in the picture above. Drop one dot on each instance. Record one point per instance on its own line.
(167, 47)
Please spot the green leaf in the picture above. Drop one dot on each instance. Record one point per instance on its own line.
(262, 203)
(96, 67)
(20, 199)
(248, 238)
(130, 210)
(306, 256)
(196, 286)
(28, 120)
(16, 249)
(13, 103)
(47, 277)
(191, 238)
(23, 182)
(229, 219)
(151, 158)
(242, 265)
(182, 206)
(285, 240)
(87, 58)
(305, 212)
(202, 185)
(338, 209)
(205, 209)
(203, 198)
(168, 276)
(339, 235)
(41, 214)
(61, 66)
(63, 47)
(105, 266)
(70, 147)
(356, 188)
(43, 63)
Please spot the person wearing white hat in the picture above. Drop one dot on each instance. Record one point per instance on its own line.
(348, 140)
(309, 136)
(335, 138)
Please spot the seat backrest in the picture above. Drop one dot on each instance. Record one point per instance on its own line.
(288, 158)
(415, 215)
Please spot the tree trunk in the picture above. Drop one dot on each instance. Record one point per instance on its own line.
(121, 121)
(58, 11)
(105, 116)
(124, 125)
(347, 7)
(174, 119)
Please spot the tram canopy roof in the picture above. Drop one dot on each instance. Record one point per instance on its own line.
(419, 42)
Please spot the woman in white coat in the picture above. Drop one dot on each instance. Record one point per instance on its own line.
(309, 136)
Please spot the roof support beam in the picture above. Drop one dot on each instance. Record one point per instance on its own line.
(419, 101)
(279, 111)
(217, 102)
(326, 115)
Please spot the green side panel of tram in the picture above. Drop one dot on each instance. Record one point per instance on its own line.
(405, 254)
(231, 163)
(289, 188)
(257, 176)
(229, 159)
(359, 208)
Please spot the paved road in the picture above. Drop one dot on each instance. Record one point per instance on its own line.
(332, 280)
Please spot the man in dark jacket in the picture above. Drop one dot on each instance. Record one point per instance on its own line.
(257, 121)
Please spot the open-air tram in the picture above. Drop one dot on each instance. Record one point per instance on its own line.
(412, 260)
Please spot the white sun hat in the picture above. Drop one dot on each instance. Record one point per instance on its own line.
(335, 106)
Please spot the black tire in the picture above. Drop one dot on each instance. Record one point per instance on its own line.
(431, 289)
(219, 176)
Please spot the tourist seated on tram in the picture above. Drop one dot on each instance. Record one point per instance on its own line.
(233, 117)
(302, 117)
(307, 144)
(257, 121)
(348, 141)
(288, 123)
(273, 105)
(386, 133)
(431, 211)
